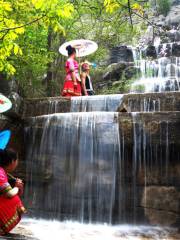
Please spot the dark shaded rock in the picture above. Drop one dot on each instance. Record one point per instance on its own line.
(131, 72)
(176, 49)
(121, 54)
(7, 86)
(151, 52)
(161, 204)
(115, 71)
(10, 89)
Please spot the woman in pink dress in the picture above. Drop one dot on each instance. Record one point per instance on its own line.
(11, 207)
(72, 84)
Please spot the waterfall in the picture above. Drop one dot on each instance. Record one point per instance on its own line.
(146, 104)
(89, 172)
(157, 75)
(108, 103)
(97, 166)
(73, 158)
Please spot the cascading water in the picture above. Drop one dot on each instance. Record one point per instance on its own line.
(157, 75)
(76, 154)
(96, 103)
(83, 166)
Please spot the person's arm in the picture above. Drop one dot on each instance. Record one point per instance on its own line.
(12, 192)
(73, 77)
(83, 80)
(18, 189)
(7, 190)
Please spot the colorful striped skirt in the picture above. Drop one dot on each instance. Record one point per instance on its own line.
(70, 90)
(11, 210)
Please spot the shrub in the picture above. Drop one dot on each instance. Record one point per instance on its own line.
(163, 6)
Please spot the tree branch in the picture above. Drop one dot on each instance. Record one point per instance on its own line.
(137, 14)
(29, 23)
(2, 38)
(130, 13)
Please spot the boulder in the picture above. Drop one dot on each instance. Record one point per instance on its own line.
(121, 54)
(131, 71)
(150, 52)
(115, 71)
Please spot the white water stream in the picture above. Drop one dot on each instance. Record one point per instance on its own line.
(69, 230)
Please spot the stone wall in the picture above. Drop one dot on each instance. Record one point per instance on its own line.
(42, 106)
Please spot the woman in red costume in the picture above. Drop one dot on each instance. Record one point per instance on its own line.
(11, 207)
(72, 84)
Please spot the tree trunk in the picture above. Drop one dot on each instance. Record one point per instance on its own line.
(49, 77)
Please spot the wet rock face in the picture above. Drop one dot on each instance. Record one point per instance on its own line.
(151, 52)
(37, 107)
(176, 49)
(168, 50)
(151, 102)
(121, 54)
(161, 204)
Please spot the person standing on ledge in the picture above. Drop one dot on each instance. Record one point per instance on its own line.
(11, 207)
(72, 84)
(86, 83)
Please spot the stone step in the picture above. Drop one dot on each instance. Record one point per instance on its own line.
(151, 102)
(42, 106)
(137, 102)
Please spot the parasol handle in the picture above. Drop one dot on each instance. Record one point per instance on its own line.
(79, 60)
(11, 176)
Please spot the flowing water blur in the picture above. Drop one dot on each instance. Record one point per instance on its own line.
(87, 174)
(69, 230)
(71, 159)
(156, 75)
(108, 103)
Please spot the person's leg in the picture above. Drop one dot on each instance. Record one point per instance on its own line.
(90, 93)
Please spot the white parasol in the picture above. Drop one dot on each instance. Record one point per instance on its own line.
(5, 103)
(83, 47)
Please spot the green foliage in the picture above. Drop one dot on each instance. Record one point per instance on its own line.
(31, 32)
(17, 16)
(163, 6)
